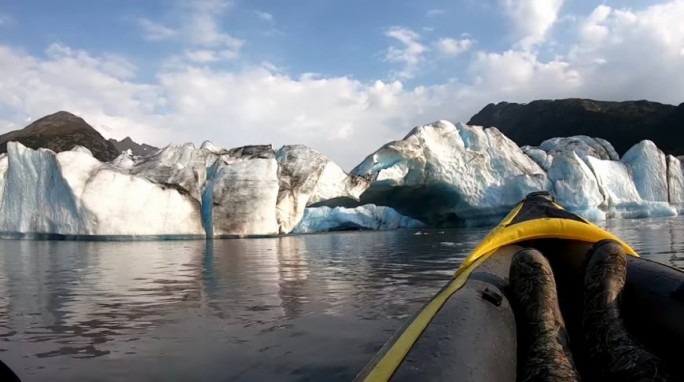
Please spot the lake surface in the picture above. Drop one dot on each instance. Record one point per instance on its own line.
(314, 307)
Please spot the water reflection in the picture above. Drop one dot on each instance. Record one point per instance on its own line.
(290, 308)
(661, 239)
(72, 302)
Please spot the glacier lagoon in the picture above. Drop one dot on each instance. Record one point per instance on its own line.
(302, 307)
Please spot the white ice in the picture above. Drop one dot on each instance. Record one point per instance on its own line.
(439, 174)
(308, 177)
(648, 167)
(240, 199)
(73, 193)
(451, 172)
(370, 217)
(575, 186)
(582, 145)
(675, 182)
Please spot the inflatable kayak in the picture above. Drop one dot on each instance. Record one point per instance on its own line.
(467, 331)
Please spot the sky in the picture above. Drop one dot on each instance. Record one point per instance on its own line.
(343, 77)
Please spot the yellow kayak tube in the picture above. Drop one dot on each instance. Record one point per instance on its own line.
(467, 331)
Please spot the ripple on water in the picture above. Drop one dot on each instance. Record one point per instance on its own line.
(290, 308)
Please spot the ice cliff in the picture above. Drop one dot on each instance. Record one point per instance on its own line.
(178, 190)
(450, 174)
(439, 174)
(72, 193)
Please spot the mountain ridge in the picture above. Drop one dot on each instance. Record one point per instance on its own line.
(623, 123)
(61, 131)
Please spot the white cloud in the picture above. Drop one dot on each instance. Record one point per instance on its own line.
(342, 117)
(592, 28)
(154, 31)
(410, 53)
(94, 87)
(208, 56)
(5, 19)
(638, 55)
(199, 26)
(436, 12)
(264, 16)
(452, 46)
(532, 19)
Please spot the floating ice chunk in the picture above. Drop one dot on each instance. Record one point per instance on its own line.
(449, 244)
(371, 217)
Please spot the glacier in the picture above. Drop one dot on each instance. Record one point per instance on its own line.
(439, 174)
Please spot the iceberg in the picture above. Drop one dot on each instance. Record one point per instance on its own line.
(3, 175)
(241, 194)
(575, 186)
(439, 174)
(648, 167)
(621, 193)
(180, 165)
(307, 177)
(36, 197)
(588, 178)
(72, 193)
(675, 182)
(538, 155)
(369, 217)
(448, 174)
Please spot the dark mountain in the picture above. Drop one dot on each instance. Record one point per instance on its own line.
(128, 144)
(61, 132)
(622, 123)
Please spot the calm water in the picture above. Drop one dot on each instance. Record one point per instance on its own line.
(294, 308)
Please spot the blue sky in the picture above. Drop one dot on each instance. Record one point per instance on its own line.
(341, 76)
